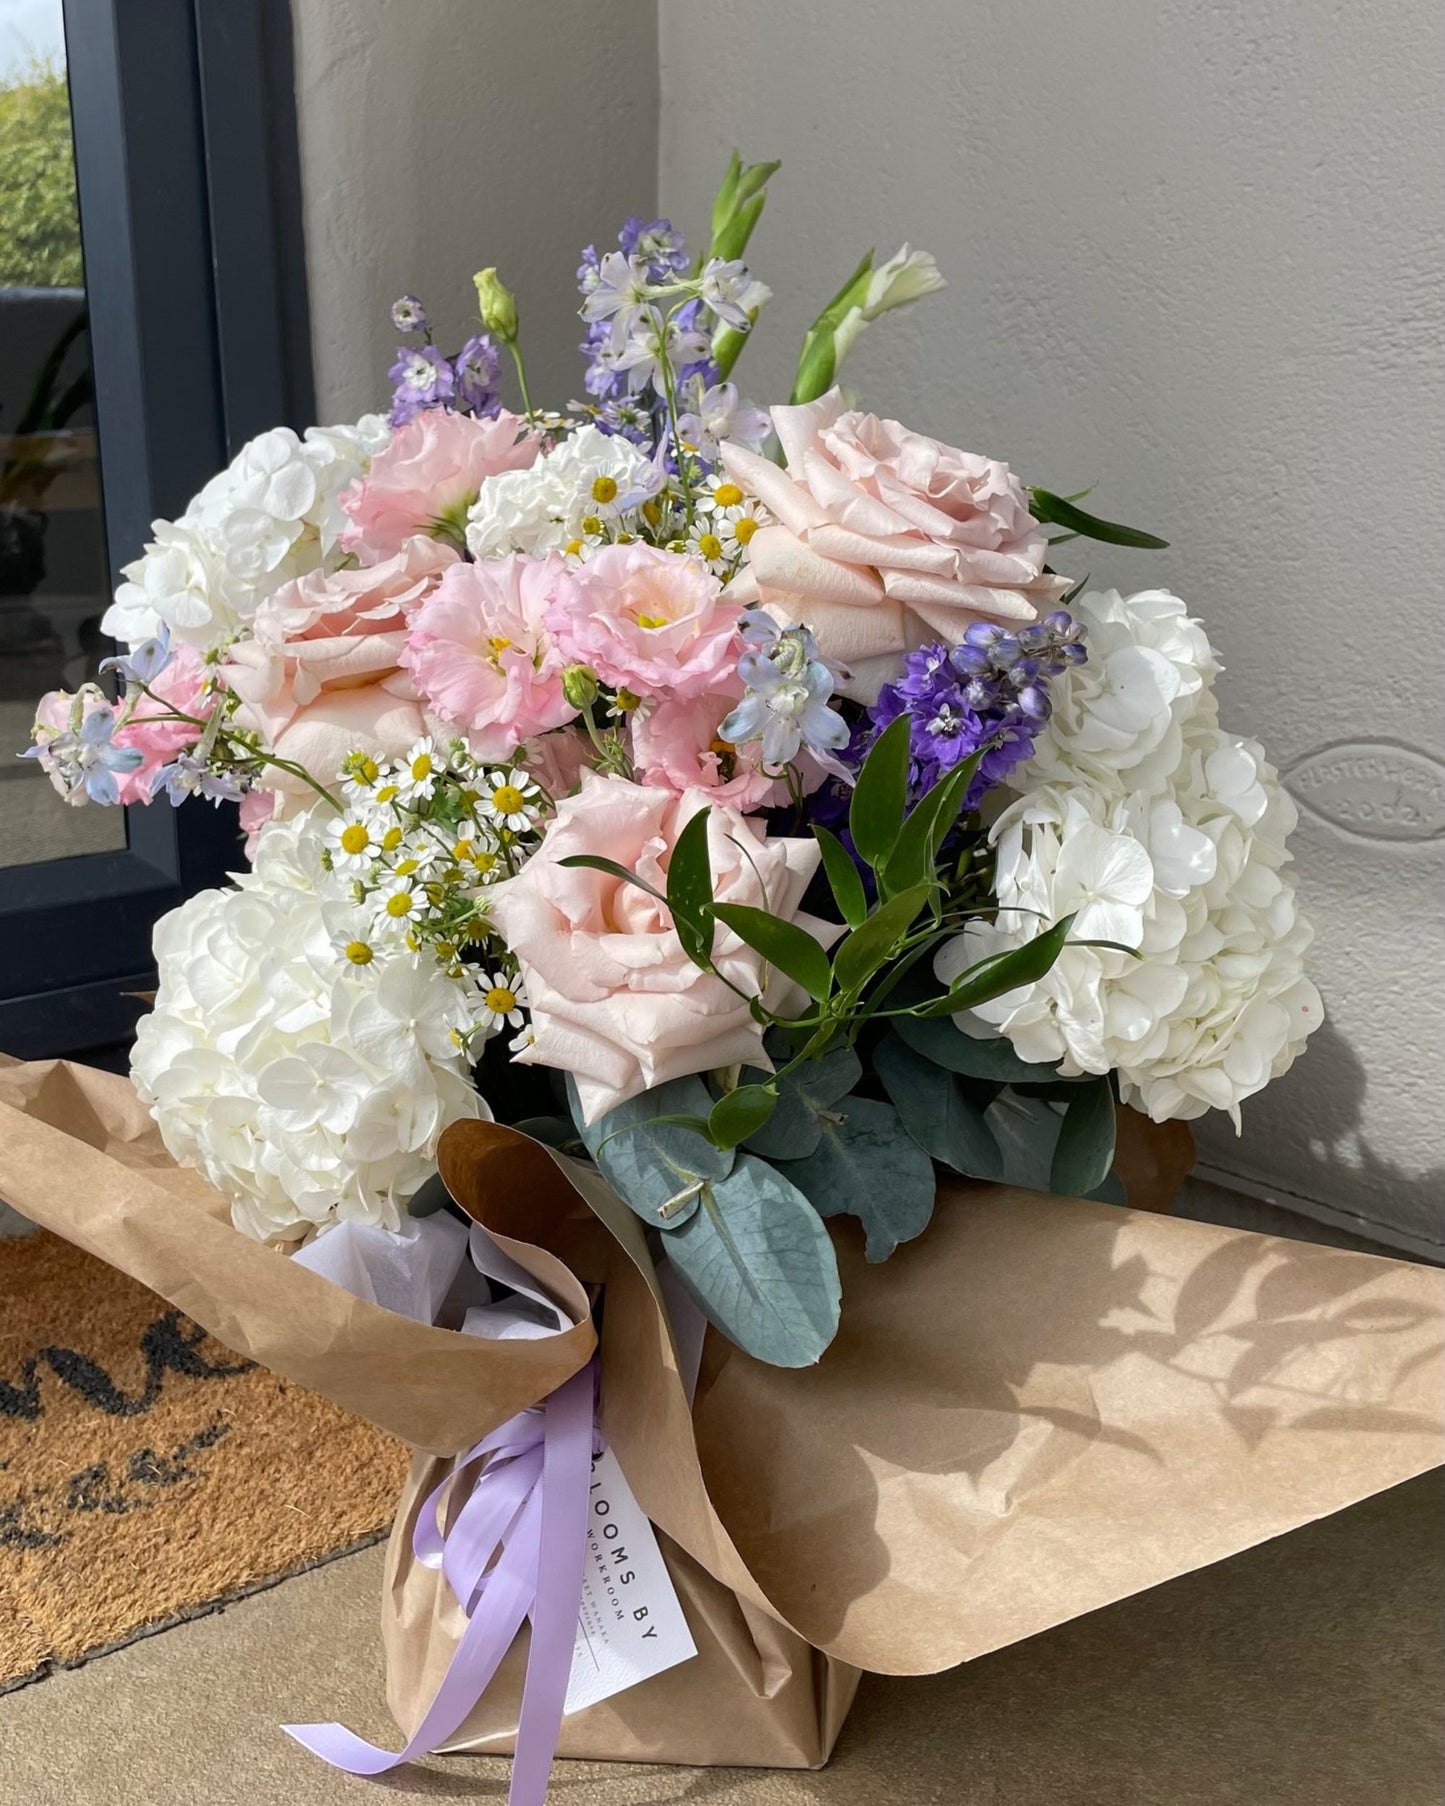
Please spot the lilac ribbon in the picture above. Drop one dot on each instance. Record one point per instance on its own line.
(516, 1549)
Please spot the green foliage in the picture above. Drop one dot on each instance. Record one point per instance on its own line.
(1061, 511)
(867, 1165)
(39, 225)
(936, 1110)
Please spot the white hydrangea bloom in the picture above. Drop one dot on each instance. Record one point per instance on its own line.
(1162, 832)
(541, 509)
(273, 514)
(307, 1088)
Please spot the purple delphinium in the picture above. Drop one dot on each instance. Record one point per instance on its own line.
(477, 367)
(990, 692)
(660, 247)
(408, 315)
(423, 379)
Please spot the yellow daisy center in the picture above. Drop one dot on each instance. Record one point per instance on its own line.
(421, 767)
(573, 548)
(405, 868)
(462, 850)
(507, 799)
(591, 525)
(651, 513)
(727, 495)
(387, 793)
(604, 489)
(709, 545)
(391, 840)
(354, 838)
(501, 1001)
(399, 905)
(484, 861)
(359, 953)
(744, 529)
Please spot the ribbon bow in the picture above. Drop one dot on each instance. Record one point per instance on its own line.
(516, 1550)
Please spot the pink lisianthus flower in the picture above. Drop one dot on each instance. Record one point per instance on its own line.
(428, 477)
(480, 653)
(885, 539)
(257, 808)
(323, 675)
(180, 686)
(647, 620)
(676, 744)
(614, 999)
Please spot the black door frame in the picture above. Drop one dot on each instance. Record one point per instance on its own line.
(188, 176)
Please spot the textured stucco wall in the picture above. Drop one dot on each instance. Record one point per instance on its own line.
(438, 136)
(1195, 257)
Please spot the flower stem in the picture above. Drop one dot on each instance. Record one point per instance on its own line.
(516, 351)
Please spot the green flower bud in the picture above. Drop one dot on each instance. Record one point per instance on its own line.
(498, 308)
(579, 686)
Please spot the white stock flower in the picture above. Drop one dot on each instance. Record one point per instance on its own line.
(308, 1086)
(1168, 835)
(273, 514)
(542, 509)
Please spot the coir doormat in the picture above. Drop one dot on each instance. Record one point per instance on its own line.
(148, 1474)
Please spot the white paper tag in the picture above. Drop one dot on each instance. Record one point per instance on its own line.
(631, 1625)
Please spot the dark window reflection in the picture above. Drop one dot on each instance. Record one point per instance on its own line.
(53, 570)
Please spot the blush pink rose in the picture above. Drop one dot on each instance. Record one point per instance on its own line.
(323, 674)
(480, 653)
(257, 808)
(885, 539)
(428, 477)
(614, 999)
(648, 620)
(676, 744)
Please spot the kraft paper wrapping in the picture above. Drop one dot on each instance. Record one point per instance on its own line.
(1039, 1407)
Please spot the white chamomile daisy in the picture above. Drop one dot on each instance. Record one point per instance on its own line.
(352, 843)
(502, 998)
(736, 526)
(416, 775)
(708, 546)
(509, 800)
(398, 904)
(363, 775)
(718, 495)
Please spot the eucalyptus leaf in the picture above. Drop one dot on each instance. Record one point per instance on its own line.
(943, 1042)
(1110, 1192)
(783, 944)
(843, 877)
(655, 1166)
(867, 1165)
(796, 1126)
(555, 1131)
(876, 812)
(1085, 1150)
(1027, 1132)
(759, 1263)
(429, 1197)
(936, 1112)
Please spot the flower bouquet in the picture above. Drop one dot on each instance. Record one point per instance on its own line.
(690, 847)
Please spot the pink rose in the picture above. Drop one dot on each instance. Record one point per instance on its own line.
(886, 539)
(479, 652)
(676, 744)
(649, 621)
(428, 477)
(614, 999)
(257, 808)
(558, 760)
(323, 674)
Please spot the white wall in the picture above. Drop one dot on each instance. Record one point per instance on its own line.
(1195, 256)
(1194, 253)
(439, 136)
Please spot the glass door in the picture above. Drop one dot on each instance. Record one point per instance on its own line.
(152, 319)
(54, 582)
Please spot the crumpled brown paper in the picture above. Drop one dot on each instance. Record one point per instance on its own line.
(1039, 1407)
